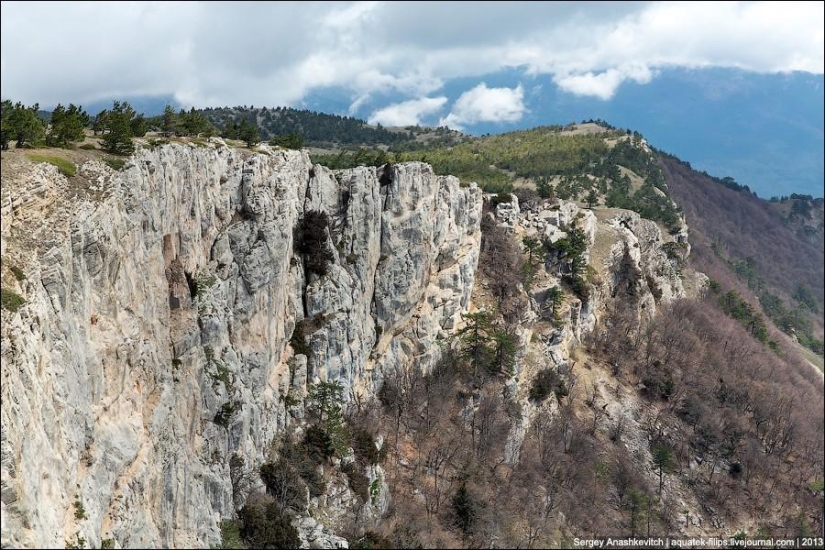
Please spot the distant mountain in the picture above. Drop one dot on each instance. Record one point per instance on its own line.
(765, 131)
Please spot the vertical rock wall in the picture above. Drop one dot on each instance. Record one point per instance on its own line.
(155, 341)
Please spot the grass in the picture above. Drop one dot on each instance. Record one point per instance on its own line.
(18, 273)
(812, 357)
(67, 168)
(11, 300)
(115, 164)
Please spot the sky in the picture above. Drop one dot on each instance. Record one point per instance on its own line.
(394, 63)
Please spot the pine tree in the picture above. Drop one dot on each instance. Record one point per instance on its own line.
(66, 125)
(23, 124)
(170, 121)
(465, 509)
(248, 132)
(663, 460)
(555, 297)
(592, 198)
(118, 121)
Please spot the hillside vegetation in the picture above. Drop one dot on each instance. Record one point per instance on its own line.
(694, 418)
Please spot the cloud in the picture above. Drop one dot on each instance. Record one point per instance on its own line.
(602, 85)
(407, 113)
(483, 104)
(219, 53)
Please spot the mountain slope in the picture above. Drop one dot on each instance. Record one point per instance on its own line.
(216, 340)
(734, 231)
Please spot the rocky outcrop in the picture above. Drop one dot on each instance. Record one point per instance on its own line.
(622, 250)
(157, 337)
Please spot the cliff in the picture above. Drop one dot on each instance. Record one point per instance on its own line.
(159, 330)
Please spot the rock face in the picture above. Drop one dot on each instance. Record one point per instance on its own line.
(621, 249)
(156, 338)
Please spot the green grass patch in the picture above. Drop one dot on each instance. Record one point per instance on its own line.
(10, 300)
(231, 535)
(115, 164)
(18, 273)
(67, 168)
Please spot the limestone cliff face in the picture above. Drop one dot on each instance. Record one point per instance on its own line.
(155, 338)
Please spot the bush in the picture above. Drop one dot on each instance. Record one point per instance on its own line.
(547, 382)
(230, 535)
(79, 510)
(319, 444)
(298, 458)
(224, 416)
(363, 443)
(465, 508)
(311, 241)
(10, 300)
(18, 273)
(284, 483)
(115, 164)
(65, 167)
(267, 525)
(89, 147)
(358, 482)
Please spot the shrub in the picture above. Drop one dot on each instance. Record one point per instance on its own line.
(230, 535)
(224, 416)
(110, 543)
(10, 300)
(298, 458)
(465, 508)
(547, 382)
(311, 241)
(115, 164)
(318, 443)
(18, 273)
(267, 525)
(79, 510)
(65, 167)
(358, 482)
(363, 443)
(203, 283)
(284, 483)
(90, 147)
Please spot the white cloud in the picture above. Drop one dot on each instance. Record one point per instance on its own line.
(483, 104)
(407, 113)
(217, 53)
(602, 85)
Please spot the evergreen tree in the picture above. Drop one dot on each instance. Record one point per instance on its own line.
(465, 509)
(289, 141)
(663, 460)
(169, 125)
(66, 125)
(248, 132)
(100, 122)
(504, 351)
(22, 124)
(138, 126)
(555, 297)
(476, 339)
(118, 140)
(592, 198)
(5, 127)
(535, 250)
